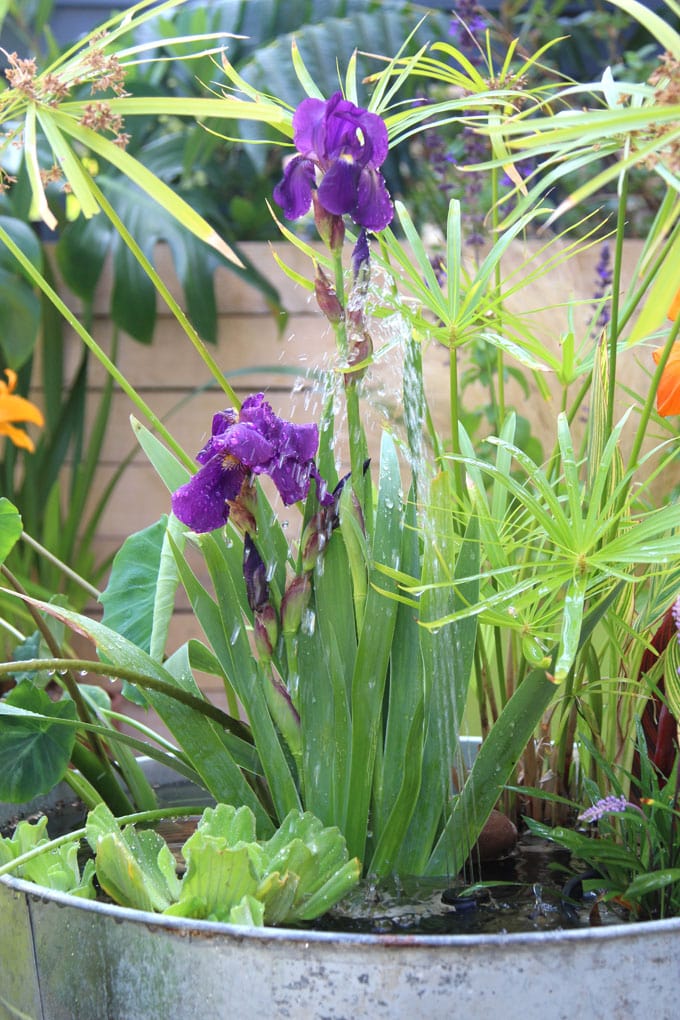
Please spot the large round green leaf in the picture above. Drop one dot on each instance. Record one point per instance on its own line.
(34, 751)
(20, 305)
(130, 595)
(10, 526)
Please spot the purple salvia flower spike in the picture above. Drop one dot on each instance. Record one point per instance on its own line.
(606, 806)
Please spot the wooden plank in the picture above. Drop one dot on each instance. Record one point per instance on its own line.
(232, 292)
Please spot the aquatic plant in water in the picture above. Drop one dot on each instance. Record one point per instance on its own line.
(439, 581)
(227, 874)
(626, 848)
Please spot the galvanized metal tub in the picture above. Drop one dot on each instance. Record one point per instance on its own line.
(62, 958)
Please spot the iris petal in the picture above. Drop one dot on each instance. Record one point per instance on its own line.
(299, 441)
(342, 129)
(338, 189)
(373, 206)
(254, 441)
(202, 504)
(246, 444)
(294, 192)
(291, 478)
(376, 142)
(347, 144)
(309, 128)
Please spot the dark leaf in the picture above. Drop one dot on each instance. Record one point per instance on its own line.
(34, 753)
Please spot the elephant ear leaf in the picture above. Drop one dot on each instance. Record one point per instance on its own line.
(139, 598)
(10, 527)
(20, 304)
(81, 253)
(35, 743)
(130, 595)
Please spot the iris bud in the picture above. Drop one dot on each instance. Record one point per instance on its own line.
(331, 227)
(266, 632)
(294, 603)
(326, 297)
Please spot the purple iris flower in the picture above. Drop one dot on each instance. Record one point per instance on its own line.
(347, 145)
(254, 440)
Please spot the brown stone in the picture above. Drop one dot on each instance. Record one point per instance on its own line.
(496, 839)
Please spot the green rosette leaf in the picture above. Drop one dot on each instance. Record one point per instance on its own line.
(135, 867)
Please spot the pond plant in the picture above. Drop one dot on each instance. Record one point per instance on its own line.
(433, 581)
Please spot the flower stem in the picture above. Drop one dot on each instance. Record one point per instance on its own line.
(358, 446)
(97, 668)
(499, 400)
(454, 410)
(66, 570)
(174, 307)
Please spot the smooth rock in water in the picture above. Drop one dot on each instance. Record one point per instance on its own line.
(496, 839)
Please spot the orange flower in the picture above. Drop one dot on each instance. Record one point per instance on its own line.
(13, 409)
(674, 310)
(668, 392)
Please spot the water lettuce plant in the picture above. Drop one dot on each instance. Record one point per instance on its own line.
(226, 873)
(439, 577)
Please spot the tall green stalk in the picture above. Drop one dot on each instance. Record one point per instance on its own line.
(614, 328)
(163, 290)
(454, 411)
(358, 446)
(499, 398)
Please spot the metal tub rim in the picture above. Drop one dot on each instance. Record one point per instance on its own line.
(183, 926)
